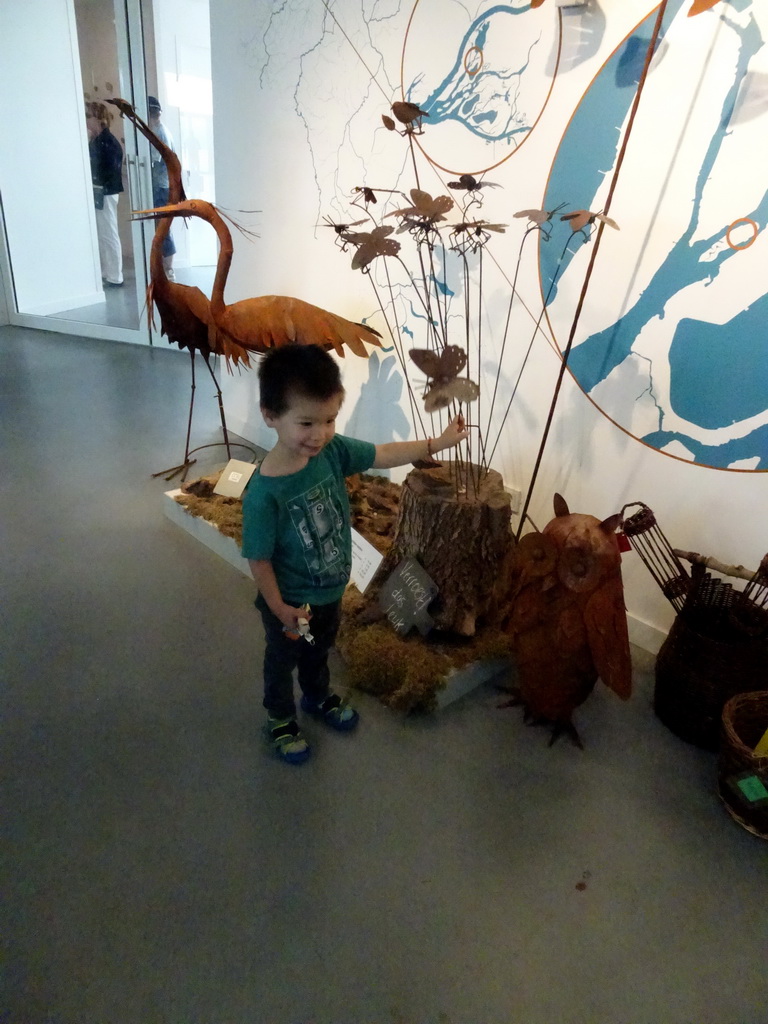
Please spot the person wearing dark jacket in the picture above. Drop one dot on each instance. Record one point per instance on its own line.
(106, 155)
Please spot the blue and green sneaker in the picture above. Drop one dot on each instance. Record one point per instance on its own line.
(334, 710)
(287, 740)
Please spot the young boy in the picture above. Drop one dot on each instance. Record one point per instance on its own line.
(296, 532)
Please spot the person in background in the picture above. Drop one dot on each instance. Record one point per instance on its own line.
(160, 178)
(106, 155)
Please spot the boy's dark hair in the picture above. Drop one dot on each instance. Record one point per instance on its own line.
(306, 370)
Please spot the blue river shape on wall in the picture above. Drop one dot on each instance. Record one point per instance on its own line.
(740, 368)
(700, 351)
(486, 104)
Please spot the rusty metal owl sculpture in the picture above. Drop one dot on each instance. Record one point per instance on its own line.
(567, 620)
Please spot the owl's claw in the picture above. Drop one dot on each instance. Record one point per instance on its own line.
(565, 728)
(558, 728)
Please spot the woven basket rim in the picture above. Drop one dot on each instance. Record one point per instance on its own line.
(686, 621)
(740, 819)
(731, 707)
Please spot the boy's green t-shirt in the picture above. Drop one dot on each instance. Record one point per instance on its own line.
(301, 522)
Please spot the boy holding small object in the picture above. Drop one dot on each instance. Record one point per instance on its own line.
(297, 533)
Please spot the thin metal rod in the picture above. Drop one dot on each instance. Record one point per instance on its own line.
(191, 406)
(524, 363)
(207, 359)
(506, 328)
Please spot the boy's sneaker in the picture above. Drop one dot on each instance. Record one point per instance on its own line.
(334, 710)
(286, 738)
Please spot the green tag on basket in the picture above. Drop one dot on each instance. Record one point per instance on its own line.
(753, 789)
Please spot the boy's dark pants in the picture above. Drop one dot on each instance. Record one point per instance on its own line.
(282, 655)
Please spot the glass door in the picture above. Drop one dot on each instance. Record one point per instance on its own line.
(75, 260)
(179, 103)
(72, 169)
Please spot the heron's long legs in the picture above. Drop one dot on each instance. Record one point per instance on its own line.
(173, 471)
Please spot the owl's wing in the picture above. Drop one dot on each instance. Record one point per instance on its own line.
(606, 620)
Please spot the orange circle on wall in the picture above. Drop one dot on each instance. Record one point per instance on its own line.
(478, 164)
(468, 55)
(736, 223)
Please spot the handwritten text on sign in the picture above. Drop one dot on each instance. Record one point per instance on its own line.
(365, 561)
(405, 596)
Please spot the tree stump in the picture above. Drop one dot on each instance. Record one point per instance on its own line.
(464, 543)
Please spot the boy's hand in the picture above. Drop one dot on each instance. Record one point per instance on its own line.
(290, 616)
(454, 433)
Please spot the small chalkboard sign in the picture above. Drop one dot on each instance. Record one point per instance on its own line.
(405, 596)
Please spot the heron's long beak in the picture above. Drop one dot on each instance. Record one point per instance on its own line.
(158, 210)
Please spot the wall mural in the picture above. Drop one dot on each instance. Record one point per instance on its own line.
(486, 86)
(678, 355)
(671, 345)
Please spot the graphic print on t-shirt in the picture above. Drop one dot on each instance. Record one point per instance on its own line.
(319, 524)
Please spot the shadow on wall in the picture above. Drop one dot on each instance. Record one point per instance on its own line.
(583, 31)
(377, 415)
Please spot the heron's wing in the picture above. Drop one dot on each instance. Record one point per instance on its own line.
(273, 320)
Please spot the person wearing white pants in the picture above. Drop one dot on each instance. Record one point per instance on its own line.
(110, 250)
(107, 173)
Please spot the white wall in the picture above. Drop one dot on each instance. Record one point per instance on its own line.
(297, 126)
(182, 50)
(48, 203)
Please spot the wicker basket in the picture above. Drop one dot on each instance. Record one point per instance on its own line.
(717, 647)
(743, 774)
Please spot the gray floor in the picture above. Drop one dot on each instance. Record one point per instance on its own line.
(162, 869)
(120, 307)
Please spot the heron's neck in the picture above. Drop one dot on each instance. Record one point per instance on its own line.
(156, 266)
(223, 264)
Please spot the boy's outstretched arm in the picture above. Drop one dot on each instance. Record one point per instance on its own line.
(400, 453)
(264, 575)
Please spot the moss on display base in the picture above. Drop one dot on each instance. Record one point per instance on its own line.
(407, 673)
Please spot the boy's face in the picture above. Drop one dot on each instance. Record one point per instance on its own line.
(306, 426)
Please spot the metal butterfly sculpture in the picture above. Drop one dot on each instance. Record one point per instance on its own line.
(370, 244)
(443, 368)
(579, 219)
(424, 213)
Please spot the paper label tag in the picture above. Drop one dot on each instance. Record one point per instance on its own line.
(234, 479)
(365, 561)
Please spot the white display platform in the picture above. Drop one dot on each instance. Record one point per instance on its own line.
(459, 682)
(205, 532)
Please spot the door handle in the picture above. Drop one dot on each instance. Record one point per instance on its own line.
(133, 183)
